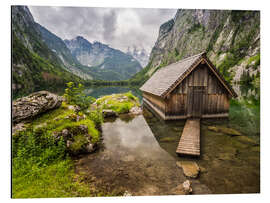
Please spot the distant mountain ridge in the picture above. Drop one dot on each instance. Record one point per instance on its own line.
(103, 58)
(140, 54)
(42, 60)
(57, 45)
(34, 65)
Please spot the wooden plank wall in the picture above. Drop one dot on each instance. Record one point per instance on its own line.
(215, 99)
(156, 101)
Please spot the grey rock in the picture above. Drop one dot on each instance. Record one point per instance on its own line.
(65, 133)
(109, 113)
(182, 189)
(90, 148)
(68, 143)
(30, 106)
(135, 110)
(83, 129)
(17, 128)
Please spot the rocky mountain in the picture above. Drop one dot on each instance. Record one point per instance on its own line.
(57, 45)
(34, 65)
(110, 63)
(140, 54)
(230, 38)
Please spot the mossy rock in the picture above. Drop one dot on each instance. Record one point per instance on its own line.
(78, 145)
(228, 131)
(120, 103)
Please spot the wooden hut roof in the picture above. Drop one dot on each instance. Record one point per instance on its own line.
(164, 80)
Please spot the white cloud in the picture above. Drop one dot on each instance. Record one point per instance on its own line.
(118, 27)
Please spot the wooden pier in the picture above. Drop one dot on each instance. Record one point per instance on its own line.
(189, 143)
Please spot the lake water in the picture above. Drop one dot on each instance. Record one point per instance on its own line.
(138, 153)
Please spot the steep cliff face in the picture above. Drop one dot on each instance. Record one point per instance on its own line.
(230, 38)
(58, 46)
(34, 65)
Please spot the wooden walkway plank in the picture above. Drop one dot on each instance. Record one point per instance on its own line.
(189, 143)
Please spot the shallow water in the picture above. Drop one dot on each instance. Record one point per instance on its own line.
(228, 164)
(132, 160)
(138, 153)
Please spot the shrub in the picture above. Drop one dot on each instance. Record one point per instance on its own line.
(75, 95)
(96, 116)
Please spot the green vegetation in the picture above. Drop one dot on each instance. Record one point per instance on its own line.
(196, 27)
(245, 116)
(254, 61)
(75, 96)
(120, 103)
(41, 168)
(32, 72)
(41, 163)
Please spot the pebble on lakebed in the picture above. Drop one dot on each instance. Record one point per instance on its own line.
(182, 189)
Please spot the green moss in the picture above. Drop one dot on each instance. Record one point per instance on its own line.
(254, 60)
(79, 142)
(120, 103)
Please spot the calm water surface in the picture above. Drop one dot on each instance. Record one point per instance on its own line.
(138, 153)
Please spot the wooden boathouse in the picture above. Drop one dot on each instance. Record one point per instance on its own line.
(191, 88)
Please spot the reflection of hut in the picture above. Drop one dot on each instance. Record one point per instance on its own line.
(192, 87)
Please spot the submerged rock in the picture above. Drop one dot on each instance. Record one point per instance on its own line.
(182, 189)
(34, 104)
(228, 131)
(247, 140)
(109, 113)
(190, 168)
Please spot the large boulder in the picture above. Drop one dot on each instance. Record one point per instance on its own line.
(30, 106)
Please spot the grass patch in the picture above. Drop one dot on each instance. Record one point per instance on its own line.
(54, 180)
(120, 103)
(41, 167)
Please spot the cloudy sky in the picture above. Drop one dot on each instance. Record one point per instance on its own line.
(118, 27)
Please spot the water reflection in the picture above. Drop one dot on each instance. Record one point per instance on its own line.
(99, 91)
(247, 92)
(132, 136)
(132, 160)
